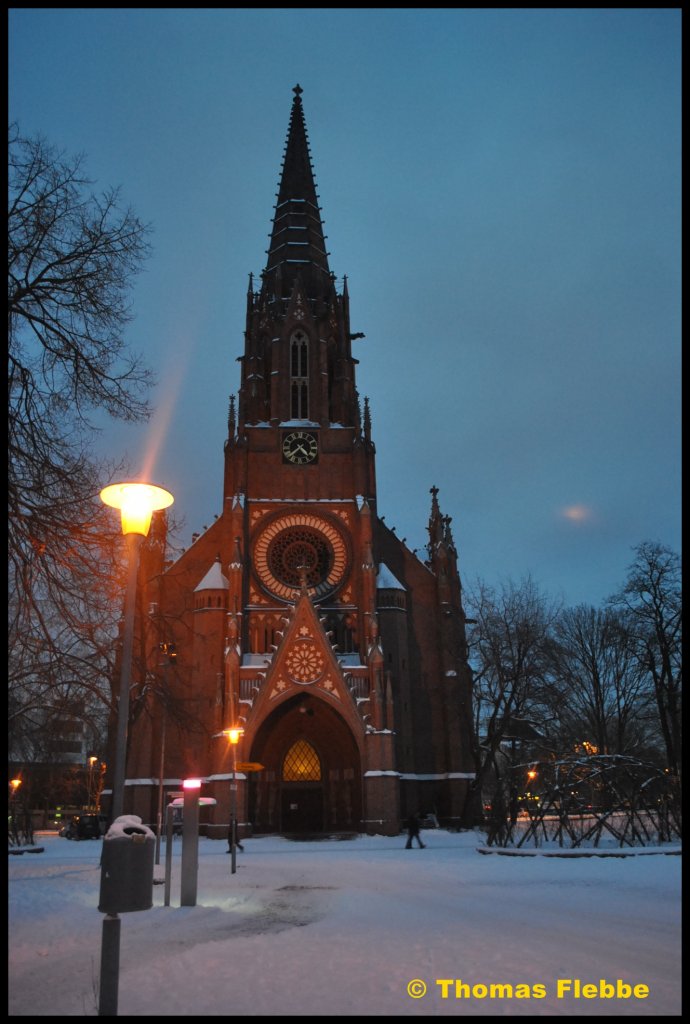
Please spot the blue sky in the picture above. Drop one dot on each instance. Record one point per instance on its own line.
(502, 190)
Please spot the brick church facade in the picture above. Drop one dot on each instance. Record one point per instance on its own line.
(298, 616)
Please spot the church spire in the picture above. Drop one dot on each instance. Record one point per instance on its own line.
(297, 246)
(435, 526)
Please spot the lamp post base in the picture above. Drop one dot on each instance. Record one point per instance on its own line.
(110, 966)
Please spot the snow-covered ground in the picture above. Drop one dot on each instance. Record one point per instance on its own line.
(341, 928)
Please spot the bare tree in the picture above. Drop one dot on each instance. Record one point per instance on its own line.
(510, 645)
(651, 603)
(602, 698)
(71, 259)
(72, 256)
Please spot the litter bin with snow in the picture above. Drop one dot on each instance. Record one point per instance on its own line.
(127, 867)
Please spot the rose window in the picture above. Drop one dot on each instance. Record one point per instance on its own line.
(295, 552)
(300, 548)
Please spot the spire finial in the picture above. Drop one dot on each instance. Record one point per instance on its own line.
(231, 418)
(435, 522)
(298, 90)
(367, 420)
(303, 570)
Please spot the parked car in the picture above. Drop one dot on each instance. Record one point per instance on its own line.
(85, 826)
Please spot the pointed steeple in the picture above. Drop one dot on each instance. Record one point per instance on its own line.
(367, 421)
(298, 246)
(232, 422)
(435, 526)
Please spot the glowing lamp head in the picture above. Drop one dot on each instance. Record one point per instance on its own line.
(531, 774)
(15, 784)
(234, 735)
(191, 784)
(137, 503)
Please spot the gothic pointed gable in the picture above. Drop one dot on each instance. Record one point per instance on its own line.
(304, 662)
(305, 657)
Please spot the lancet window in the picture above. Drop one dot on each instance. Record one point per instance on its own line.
(299, 376)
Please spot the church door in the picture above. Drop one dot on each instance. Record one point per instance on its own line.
(310, 781)
(302, 789)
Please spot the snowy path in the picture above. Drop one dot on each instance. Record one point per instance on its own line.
(342, 928)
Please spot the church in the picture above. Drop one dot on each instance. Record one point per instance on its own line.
(298, 617)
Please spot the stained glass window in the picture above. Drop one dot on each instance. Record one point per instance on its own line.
(301, 763)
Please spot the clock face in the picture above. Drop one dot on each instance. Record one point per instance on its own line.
(300, 447)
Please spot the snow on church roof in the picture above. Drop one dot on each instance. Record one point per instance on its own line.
(213, 580)
(386, 579)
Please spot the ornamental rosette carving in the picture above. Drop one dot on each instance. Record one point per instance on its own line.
(305, 663)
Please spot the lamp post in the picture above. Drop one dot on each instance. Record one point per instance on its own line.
(170, 651)
(90, 785)
(137, 503)
(14, 789)
(234, 737)
(99, 785)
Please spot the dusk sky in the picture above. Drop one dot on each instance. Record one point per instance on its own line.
(502, 189)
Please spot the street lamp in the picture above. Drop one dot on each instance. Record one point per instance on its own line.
(234, 737)
(90, 785)
(137, 503)
(14, 789)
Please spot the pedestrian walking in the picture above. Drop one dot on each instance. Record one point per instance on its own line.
(413, 832)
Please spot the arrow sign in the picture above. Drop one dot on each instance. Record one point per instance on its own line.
(250, 766)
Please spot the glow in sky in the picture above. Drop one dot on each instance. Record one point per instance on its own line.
(577, 513)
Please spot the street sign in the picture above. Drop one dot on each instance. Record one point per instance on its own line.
(250, 766)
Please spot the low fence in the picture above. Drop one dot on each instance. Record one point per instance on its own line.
(586, 802)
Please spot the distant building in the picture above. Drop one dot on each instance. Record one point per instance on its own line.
(299, 615)
(68, 741)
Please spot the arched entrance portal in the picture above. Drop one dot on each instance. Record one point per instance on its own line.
(311, 781)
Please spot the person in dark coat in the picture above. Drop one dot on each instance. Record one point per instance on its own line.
(413, 832)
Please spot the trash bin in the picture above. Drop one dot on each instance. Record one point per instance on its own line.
(127, 867)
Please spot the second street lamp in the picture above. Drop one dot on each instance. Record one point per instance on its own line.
(169, 651)
(234, 737)
(89, 785)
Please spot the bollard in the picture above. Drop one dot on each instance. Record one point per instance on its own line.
(190, 843)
